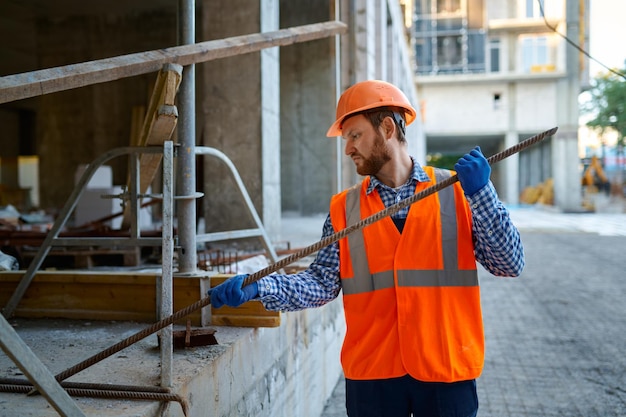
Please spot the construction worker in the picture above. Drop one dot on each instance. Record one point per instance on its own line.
(414, 342)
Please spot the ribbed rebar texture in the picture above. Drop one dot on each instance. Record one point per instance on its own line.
(390, 210)
(294, 257)
(91, 390)
(89, 385)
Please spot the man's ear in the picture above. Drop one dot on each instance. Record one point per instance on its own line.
(388, 127)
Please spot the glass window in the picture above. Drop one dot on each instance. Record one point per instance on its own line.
(423, 55)
(423, 25)
(453, 23)
(422, 7)
(476, 50)
(533, 10)
(542, 50)
(529, 8)
(527, 54)
(494, 55)
(535, 54)
(443, 44)
(449, 51)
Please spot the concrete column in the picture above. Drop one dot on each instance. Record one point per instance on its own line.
(567, 188)
(382, 54)
(308, 97)
(510, 173)
(359, 62)
(349, 76)
(366, 33)
(240, 107)
(337, 5)
(375, 49)
(270, 124)
(186, 168)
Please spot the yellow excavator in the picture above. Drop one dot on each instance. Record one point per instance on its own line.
(594, 177)
(594, 181)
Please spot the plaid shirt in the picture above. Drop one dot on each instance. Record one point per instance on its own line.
(497, 247)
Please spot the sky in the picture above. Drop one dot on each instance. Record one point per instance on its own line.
(607, 34)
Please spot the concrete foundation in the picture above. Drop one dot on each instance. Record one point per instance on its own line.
(285, 371)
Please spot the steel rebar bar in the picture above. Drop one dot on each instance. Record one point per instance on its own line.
(292, 258)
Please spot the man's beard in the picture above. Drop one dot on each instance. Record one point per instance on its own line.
(379, 157)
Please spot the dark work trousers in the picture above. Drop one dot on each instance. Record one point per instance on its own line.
(405, 397)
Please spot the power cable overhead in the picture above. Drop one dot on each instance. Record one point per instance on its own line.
(574, 44)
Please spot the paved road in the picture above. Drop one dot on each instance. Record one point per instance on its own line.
(556, 336)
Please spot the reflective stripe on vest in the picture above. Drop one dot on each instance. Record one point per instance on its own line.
(364, 281)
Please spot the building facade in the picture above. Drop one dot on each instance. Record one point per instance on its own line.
(492, 73)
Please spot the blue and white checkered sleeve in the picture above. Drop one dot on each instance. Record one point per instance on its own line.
(314, 287)
(497, 243)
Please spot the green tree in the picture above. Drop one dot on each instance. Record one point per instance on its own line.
(607, 106)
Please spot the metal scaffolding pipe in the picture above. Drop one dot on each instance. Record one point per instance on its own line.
(186, 168)
(166, 284)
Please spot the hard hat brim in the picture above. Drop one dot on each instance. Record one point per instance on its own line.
(335, 128)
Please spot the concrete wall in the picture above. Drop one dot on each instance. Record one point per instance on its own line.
(75, 126)
(268, 372)
(231, 115)
(457, 108)
(476, 110)
(536, 106)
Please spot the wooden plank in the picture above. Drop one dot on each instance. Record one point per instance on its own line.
(97, 295)
(36, 83)
(162, 101)
(158, 126)
(161, 130)
(136, 122)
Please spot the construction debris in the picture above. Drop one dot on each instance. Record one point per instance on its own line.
(8, 262)
(192, 337)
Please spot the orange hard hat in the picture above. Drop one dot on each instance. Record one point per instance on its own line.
(368, 95)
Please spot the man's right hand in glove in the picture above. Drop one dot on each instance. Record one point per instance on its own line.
(230, 292)
(473, 171)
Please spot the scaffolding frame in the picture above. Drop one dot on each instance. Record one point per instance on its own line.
(41, 82)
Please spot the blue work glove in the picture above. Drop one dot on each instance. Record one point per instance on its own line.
(473, 171)
(230, 292)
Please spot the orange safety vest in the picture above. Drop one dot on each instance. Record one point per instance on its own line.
(411, 300)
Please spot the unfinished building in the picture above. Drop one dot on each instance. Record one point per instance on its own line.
(257, 84)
